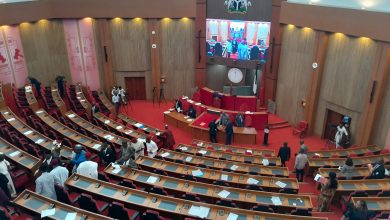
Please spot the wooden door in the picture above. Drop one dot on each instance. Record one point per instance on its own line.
(135, 87)
(332, 120)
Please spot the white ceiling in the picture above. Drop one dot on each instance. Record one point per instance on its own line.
(369, 5)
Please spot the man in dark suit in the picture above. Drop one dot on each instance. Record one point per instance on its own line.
(213, 129)
(284, 153)
(107, 154)
(229, 132)
(378, 170)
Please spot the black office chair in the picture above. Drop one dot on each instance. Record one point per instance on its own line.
(226, 203)
(118, 211)
(221, 183)
(263, 208)
(288, 191)
(254, 187)
(88, 203)
(301, 212)
(64, 197)
(191, 197)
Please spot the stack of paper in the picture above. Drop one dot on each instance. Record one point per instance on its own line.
(252, 181)
(166, 154)
(48, 212)
(276, 200)
(224, 194)
(202, 152)
(167, 112)
(28, 132)
(40, 140)
(96, 146)
(234, 167)
(199, 211)
(107, 122)
(190, 119)
(118, 127)
(71, 216)
(11, 119)
(280, 184)
(152, 179)
(265, 162)
(71, 116)
(188, 159)
(197, 172)
(224, 177)
(232, 216)
(15, 153)
(184, 148)
(39, 112)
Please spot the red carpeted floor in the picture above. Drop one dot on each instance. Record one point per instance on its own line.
(152, 114)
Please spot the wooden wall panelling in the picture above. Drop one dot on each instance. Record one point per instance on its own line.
(200, 43)
(298, 53)
(45, 50)
(100, 59)
(155, 57)
(177, 56)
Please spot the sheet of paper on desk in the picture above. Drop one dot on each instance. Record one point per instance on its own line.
(107, 122)
(265, 162)
(39, 112)
(202, 152)
(40, 140)
(13, 154)
(186, 117)
(152, 179)
(200, 144)
(184, 148)
(116, 166)
(224, 194)
(48, 212)
(276, 200)
(96, 146)
(249, 151)
(158, 133)
(232, 216)
(166, 154)
(234, 167)
(280, 184)
(205, 211)
(167, 112)
(28, 132)
(197, 172)
(188, 159)
(202, 124)
(224, 177)
(171, 109)
(317, 154)
(71, 115)
(71, 216)
(11, 119)
(128, 132)
(190, 119)
(118, 127)
(199, 211)
(116, 170)
(252, 181)
(138, 125)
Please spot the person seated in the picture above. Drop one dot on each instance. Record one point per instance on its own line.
(178, 106)
(239, 120)
(138, 147)
(347, 168)
(191, 112)
(378, 170)
(357, 211)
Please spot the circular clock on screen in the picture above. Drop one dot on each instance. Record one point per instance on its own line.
(235, 75)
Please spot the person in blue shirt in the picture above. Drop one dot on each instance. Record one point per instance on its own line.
(78, 156)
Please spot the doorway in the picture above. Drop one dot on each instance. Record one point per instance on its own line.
(135, 87)
(333, 119)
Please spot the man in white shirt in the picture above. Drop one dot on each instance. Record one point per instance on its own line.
(59, 172)
(4, 164)
(122, 94)
(115, 101)
(44, 185)
(341, 131)
(88, 169)
(151, 147)
(300, 164)
(138, 147)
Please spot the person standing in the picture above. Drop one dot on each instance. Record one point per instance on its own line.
(239, 120)
(341, 132)
(89, 169)
(284, 153)
(138, 147)
(107, 154)
(44, 185)
(116, 102)
(169, 140)
(213, 129)
(59, 172)
(229, 48)
(60, 85)
(122, 94)
(126, 152)
(78, 156)
(327, 192)
(303, 146)
(37, 85)
(266, 133)
(95, 108)
(151, 147)
(300, 164)
(4, 165)
(229, 132)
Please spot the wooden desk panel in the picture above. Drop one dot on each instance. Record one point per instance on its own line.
(227, 155)
(375, 203)
(357, 161)
(363, 185)
(36, 203)
(178, 120)
(106, 102)
(82, 99)
(39, 139)
(64, 130)
(242, 197)
(31, 100)
(357, 172)
(126, 132)
(234, 149)
(22, 159)
(57, 98)
(222, 164)
(209, 175)
(346, 152)
(176, 208)
(138, 124)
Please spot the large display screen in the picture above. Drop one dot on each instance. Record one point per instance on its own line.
(235, 39)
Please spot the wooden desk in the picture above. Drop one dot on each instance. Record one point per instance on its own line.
(35, 204)
(22, 159)
(57, 98)
(178, 120)
(64, 130)
(346, 152)
(106, 102)
(82, 99)
(39, 139)
(241, 135)
(228, 166)
(374, 203)
(244, 198)
(227, 155)
(356, 173)
(32, 102)
(209, 175)
(125, 132)
(363, 185)
(174, 207)
(336, 162)
(234, 149)
(140, 125)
